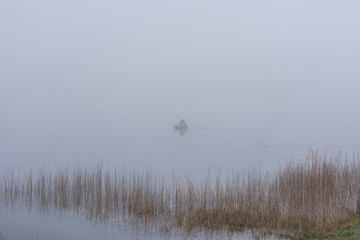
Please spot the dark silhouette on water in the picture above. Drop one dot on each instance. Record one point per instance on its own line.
(181, 127)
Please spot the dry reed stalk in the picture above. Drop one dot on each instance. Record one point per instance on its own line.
(302, 198)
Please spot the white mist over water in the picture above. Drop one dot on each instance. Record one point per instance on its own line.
(83, 82)
(94, 81)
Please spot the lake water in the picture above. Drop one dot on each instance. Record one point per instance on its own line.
(155, 144)
(23, 224)
(158, 147)
(88, 82)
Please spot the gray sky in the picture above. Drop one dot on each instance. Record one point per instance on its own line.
(271, 67)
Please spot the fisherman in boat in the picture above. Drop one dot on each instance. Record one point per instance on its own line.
(181, 127)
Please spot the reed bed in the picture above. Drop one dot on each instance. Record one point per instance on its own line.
(302, 199)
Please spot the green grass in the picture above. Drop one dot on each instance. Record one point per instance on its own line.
(348, 231)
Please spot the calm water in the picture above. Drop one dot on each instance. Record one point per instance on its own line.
(231, 147)
(158, 147)
(19, 223)
(88, 82)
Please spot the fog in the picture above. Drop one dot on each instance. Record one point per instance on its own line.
(105, 81)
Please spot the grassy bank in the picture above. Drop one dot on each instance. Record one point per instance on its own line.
(348, 231)
(302, 200)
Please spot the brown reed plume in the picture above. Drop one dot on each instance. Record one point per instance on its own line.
(302, 199)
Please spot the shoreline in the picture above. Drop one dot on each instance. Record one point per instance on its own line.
(306, 199)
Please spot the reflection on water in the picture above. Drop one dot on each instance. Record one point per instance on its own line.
(181, 131)
(307, 197)
(21, 224)
(181, 127)
(227, 149)
(139, 201)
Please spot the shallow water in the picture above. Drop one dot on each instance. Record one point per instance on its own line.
(194, 154)
(158, 146)
(19, 223)
(88, 82)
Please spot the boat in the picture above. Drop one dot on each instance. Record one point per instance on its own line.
(181, 127)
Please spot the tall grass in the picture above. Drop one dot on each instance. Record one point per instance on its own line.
(301, 199)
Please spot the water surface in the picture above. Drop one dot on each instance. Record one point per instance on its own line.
(88, 82)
